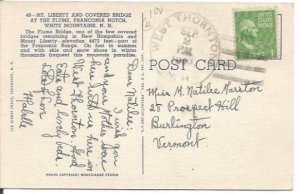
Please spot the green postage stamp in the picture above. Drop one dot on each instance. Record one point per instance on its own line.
(255, 34)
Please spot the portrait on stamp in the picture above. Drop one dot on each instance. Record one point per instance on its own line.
(255, 33)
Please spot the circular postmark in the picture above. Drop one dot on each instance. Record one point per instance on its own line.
(188, 37)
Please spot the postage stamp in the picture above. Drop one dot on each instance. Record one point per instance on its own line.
(255, 34)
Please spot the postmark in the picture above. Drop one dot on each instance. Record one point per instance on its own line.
(246, 71)
(185, 36)
(255, 34)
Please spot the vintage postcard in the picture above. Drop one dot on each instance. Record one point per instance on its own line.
(99, 95)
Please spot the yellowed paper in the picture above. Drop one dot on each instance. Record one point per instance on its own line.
(146, 95)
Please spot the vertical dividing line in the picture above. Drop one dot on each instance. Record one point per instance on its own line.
(143, 155)
(142, 30)
(142, 88)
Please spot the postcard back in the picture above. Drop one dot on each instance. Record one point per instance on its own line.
(146, 95)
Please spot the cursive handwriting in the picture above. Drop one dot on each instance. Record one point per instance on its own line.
(104, 153)
(27, 101)
(161, 143)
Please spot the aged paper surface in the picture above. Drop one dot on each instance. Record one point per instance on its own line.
(146, 95)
